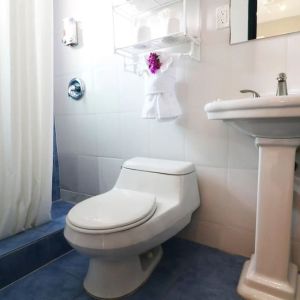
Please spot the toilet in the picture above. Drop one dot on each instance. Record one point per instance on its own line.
(122, 230)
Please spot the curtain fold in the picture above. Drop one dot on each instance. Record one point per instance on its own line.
(26, 114)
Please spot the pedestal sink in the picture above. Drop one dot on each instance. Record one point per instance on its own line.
(275, 124)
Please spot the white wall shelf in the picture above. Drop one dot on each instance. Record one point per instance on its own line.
(142, 26)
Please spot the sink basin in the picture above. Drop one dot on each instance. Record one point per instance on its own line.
(268, 117)
(275, 124)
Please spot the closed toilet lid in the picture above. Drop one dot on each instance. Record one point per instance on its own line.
(113, 211)
(162, 166)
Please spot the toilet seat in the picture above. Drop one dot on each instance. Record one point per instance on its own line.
(106, 213)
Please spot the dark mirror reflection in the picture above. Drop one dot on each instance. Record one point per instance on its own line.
(257, 19)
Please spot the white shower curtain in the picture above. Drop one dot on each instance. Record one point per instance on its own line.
(26, 114)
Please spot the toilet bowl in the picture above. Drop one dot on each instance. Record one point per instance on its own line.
(121, 231)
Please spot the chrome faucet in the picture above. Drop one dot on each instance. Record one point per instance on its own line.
(282, 86)
(253, 93)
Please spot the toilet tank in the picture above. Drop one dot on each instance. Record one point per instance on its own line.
(168, 180)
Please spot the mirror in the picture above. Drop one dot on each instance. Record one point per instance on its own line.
(257, 19)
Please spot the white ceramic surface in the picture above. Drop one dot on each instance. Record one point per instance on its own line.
(113, 211)
(116, 253)
(275, 123)
(170, 167)
(270, 117)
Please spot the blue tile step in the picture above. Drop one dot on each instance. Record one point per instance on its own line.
(27, 251)
(187, 271)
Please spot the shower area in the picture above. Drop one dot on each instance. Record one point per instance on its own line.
(31, 211)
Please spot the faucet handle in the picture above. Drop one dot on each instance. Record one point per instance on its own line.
(253, 93)
(282, 89)
(282, 77)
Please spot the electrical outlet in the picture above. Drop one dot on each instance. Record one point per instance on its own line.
(222, 17)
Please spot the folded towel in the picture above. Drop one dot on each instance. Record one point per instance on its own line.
(160, 96)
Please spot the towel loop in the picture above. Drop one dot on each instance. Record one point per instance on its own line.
(131, 62)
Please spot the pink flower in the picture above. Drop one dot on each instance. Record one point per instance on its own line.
(154, 63)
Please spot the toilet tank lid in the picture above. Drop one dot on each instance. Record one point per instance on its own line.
(170, 167)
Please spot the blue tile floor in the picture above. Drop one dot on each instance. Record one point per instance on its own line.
(59, 210)
(187, 271)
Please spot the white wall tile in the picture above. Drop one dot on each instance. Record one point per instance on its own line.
(68, 168)
(241, 205)
(61, 94)
(256, 64)
(167, 139)
(132, 93)
(209, 34)
(109, 143)
(242, 74)
(66, 134)
(205, 233)
(71, 60)
(206, 141)
(213, 194)
(237, 241)
(242, 152)
(106, 88)
(293, 61)
(88, 175)
(207, 80)
(87, 132)
(109, 170)
(135, 135)
(95, 40)
(76, 134)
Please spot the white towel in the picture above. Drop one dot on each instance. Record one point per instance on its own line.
(160, 96)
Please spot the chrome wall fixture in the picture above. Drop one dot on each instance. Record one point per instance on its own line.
(76, 89)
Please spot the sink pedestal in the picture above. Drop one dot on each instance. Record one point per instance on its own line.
(269, 274)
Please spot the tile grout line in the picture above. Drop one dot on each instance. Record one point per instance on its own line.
(46, 235)
(36, 270)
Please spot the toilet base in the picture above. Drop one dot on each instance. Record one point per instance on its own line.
(110, 279)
